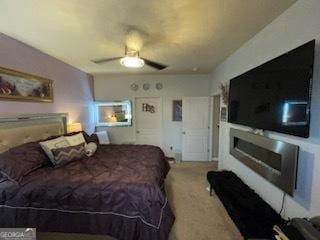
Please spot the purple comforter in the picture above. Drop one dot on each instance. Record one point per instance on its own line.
(118, 192)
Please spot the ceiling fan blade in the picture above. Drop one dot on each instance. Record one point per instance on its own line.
(103, 60)
(155, 65)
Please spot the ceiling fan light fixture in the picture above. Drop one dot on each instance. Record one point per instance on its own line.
(132, 62)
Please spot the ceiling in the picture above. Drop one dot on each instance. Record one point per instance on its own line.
(184, 34)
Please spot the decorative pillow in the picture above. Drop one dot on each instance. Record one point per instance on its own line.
(55, 143)
(90, 148)
(69, 154)
(76, 139)
(48, 161)
(88, 138)
(103, 137)
(19, 161)
(92, 138)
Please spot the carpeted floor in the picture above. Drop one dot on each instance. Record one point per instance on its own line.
(198, 216)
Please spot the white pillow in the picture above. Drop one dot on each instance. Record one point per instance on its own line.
(90, 148)
(55, 143)
(103, 137)
(76, 139)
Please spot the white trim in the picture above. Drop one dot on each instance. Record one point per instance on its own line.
(211, 110)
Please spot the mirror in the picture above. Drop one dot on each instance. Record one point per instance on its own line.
(113, 113)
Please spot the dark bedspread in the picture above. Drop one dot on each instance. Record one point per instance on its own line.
(118, 191)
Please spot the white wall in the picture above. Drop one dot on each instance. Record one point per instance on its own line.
(299, 24)
(117, 87)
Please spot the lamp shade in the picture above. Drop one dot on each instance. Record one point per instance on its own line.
(74, 127)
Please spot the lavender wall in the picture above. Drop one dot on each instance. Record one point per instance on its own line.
(72, 91)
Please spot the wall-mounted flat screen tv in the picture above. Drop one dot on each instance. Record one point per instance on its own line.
(275, 96)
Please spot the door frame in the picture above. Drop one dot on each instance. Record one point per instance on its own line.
(161, 119)
(211, 112)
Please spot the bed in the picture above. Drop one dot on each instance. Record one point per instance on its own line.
(119, 191)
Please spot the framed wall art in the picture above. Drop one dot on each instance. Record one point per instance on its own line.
(19, 86)
(177, 110)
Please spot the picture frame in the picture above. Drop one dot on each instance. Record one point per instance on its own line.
(25, 87)
(177, 110)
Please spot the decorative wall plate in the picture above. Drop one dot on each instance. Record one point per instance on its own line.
(134, 87)
(159, 86)
(146, 86)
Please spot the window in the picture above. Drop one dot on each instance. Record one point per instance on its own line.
(110, 114)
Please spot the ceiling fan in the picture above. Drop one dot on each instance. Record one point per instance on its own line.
(132, 59)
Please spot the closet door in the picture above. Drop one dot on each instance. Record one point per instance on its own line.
(195, 129)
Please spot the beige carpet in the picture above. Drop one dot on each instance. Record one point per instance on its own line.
(198, 216)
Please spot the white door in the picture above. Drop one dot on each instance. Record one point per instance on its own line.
(195, 128)
(148, 113)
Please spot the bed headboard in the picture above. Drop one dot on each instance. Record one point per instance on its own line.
(20, 129)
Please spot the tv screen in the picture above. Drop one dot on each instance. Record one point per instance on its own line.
(275, 96)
